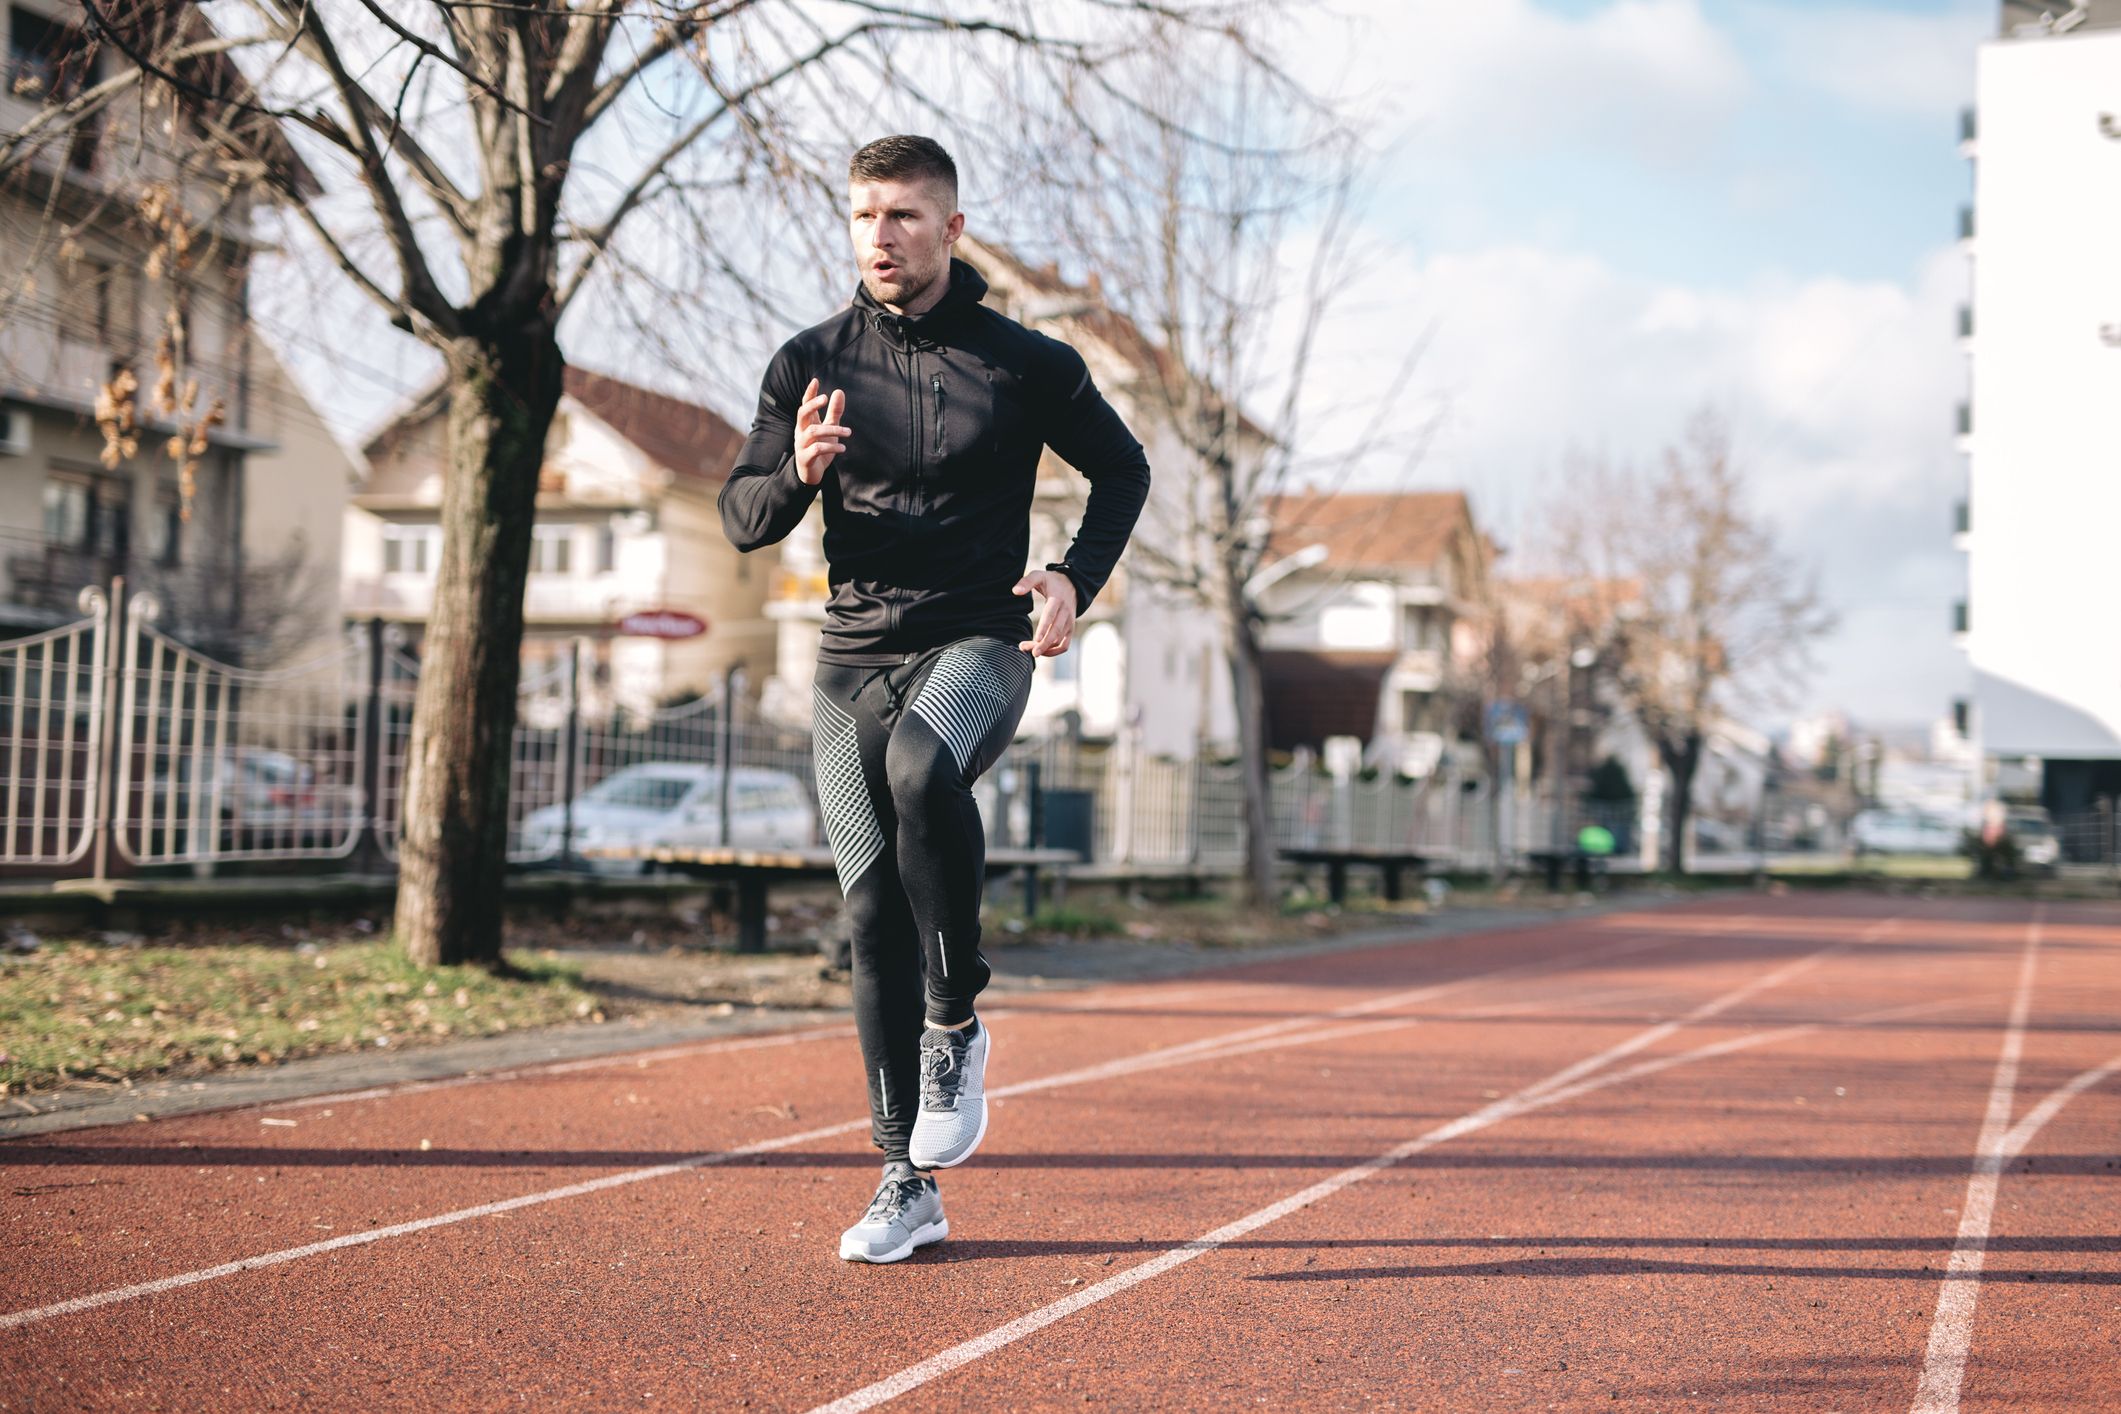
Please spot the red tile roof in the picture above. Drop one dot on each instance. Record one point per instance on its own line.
(1370, 530)
(692, 442)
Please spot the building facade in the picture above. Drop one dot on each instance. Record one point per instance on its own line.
(2042, 423)
(626, 523)
(243, 552)
(1375, 637)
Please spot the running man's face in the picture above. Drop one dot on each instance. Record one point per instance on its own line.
(903, 231)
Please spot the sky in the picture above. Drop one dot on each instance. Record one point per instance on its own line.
(1609, 215)
(1604, 215)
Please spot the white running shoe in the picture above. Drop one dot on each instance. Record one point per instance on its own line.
(953, 1114)
(906, 1213)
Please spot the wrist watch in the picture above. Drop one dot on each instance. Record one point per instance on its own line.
(1075, 578)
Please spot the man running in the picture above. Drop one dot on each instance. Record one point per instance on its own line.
(921, 415)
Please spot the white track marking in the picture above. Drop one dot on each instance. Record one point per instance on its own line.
(1952, 1329)
(1535, 1096)
(1215, 1048)
(2037, 1117)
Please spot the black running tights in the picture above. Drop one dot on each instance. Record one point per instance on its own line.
(897, 749)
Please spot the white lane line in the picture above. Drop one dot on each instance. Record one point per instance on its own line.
(1531, 1097)
(2037, 1117)
(1952, 1329)
(1216, 1048)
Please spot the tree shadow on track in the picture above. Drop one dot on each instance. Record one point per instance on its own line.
(1637, 1266)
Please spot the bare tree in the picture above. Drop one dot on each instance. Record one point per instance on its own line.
(1706, 617)
(1222, 235)
(493, 162)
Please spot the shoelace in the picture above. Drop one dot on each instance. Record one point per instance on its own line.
(938, 1065)
(893, 1198)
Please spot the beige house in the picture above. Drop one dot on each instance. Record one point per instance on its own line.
(1376, 638)
(246, 563)
(626, 522)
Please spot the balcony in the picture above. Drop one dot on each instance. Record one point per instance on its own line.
(1959, 620)
(1966, 226)
(1962, 524)
(41, 580)
(1969, 131)
(1966, 325)
(1963, 427)
(548, 600)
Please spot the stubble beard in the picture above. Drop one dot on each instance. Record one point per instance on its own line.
(901, 292)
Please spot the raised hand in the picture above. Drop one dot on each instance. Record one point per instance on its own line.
(1057, 622)
(818, 440)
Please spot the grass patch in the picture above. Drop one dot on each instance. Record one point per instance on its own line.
(1074, 922)
(78, 1011)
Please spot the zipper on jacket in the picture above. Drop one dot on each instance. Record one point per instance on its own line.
(936, 380)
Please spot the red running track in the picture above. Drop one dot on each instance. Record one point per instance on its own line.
(1792, 1153)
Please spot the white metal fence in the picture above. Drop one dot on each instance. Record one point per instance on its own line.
(120, 738)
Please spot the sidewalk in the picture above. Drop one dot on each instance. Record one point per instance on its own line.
(1021, 969)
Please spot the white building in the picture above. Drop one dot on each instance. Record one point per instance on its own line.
(2042, 425)
(626, 522)
(246, 564)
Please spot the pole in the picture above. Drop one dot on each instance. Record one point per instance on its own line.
(573, 739)
(112, 710)
(725, 752)
(371, 850)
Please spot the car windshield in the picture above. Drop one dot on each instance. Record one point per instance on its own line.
(641, 791)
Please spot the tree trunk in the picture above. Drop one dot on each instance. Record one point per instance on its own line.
(1681, 760)
(1241, 647)
(504, 388)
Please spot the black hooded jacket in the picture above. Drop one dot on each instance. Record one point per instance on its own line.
(928, 510)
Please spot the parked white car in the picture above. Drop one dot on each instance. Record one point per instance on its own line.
(2039, 845)
(1903, 832)
(676, 804)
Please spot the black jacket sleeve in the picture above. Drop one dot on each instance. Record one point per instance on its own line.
(1082, 427)
(764, 499)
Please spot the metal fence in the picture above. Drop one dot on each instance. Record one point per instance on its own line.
(125, 744)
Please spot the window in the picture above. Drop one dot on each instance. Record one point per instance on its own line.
(607, 550)
(1069, 665)
(90, 514)
(165, 528)
(45, 59)
(411, 549)
(1418, 626)
(551, 548)
(69, 512)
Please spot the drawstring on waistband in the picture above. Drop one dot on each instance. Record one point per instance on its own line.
(897, 691)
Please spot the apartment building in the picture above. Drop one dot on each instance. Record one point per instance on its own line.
(244, 558)
(2041, 426)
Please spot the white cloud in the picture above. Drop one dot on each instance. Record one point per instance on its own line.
(1838, 392)
(1650, 75)
(1888, 60)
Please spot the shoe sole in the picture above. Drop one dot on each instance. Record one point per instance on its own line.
(922, 1237)
(979, 1134)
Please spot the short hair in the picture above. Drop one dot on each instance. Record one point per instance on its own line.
(902, 157)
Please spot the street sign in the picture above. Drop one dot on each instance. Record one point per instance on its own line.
(1507, 723)
(661, 623)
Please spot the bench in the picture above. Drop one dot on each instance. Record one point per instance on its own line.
(1580, 863)
(1388, 862)
(754, 871)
